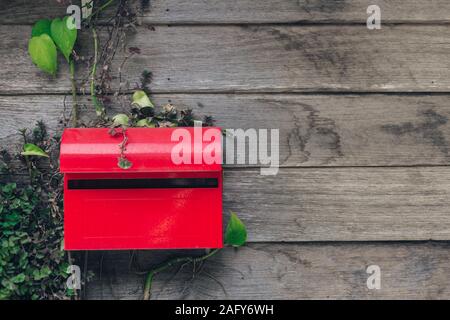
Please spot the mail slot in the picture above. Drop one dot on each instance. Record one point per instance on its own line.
(160, 202)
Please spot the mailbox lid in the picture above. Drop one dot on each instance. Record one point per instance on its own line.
(95, 150)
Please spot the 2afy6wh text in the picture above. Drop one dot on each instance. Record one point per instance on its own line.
(225, 309)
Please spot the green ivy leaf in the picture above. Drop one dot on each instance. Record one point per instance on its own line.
(9, 188)
(121, 120)
(43, 53)
(145, 123)
(235, 233)
(18, 279)
(124, 163)
(4, 294)
(41, 27)
(8, 284)
(44, 272)
(141, 99)
(30, 149)
(63, 36)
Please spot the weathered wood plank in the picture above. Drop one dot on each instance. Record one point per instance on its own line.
(315, 130)
(247, 11)
(22, 112)
(293, 11)
(285, 271)
(342, 204)
(301, 58)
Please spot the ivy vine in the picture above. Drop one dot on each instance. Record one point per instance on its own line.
(33, 263)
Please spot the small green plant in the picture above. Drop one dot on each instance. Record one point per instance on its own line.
(235, 236)
(144, 114)
(33, 264)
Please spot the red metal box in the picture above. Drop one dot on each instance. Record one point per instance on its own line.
(158, 203)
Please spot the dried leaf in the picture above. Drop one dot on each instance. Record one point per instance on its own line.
(141, 99)
(124, 163)
(121, 120)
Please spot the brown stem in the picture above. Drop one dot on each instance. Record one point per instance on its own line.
(99, 109)
(74, 94)
(168, 264)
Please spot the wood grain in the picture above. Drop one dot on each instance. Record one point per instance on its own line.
(247, 11)
(285, 271)
(315, 130)
(341, 204)
(294, 11)
(301, 58)
(23, 112)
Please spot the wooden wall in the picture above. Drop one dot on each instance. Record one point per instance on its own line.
(364, 139)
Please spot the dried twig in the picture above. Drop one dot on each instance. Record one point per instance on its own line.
(168, 264)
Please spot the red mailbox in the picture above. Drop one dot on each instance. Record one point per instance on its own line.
(158, 203)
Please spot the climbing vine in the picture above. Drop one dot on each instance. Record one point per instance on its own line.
(235, 236)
